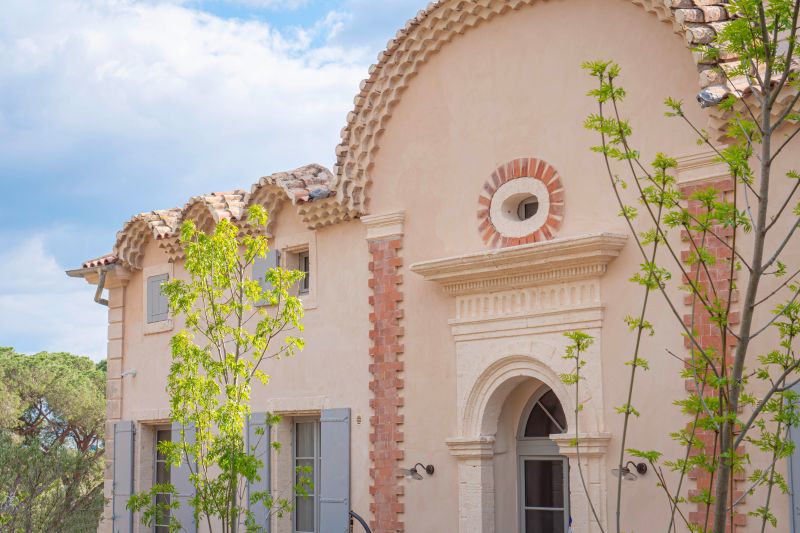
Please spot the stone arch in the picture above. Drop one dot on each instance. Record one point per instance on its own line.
(427, 33)
(495, 383)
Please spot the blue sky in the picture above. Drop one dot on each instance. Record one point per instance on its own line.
(113, 107)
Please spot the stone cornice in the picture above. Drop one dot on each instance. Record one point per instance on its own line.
(701, 167)
(528, 265)
(385, 225)
(471, 447)
(589, 444)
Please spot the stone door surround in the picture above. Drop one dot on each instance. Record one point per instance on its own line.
(512, 307)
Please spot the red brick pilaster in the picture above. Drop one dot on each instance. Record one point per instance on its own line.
(386, 368)
(707, 332)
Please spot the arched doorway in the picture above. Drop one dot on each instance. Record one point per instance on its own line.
(543, 474)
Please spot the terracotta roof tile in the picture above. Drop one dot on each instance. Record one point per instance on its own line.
(108, 259)
(303, 186)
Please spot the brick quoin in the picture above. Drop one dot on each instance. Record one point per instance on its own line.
(708, 335)
(386, 386)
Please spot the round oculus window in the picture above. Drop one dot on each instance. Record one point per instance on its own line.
(522, 203)
(520, 207)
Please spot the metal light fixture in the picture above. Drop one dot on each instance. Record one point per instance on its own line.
(413, 473)
(131, 373)
(627, 473)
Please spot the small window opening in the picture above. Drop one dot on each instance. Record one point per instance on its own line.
(303, 265)
(528, 207)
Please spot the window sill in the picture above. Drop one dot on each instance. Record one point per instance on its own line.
(158, 327)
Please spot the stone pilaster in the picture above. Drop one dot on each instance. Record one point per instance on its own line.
(475, 457)
(590, 455)
(114, 355)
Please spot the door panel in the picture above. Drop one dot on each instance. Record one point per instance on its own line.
(543, 489)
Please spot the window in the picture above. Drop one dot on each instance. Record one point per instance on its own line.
(306, 451)
(299, 258)
(157, 304)
(543, 474)
(162, 476)
(303, 265)
(546, 418)
(520, 207)
(528, 207)
(543, 502)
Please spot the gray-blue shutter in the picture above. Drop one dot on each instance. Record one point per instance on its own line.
(259, 446)
(794, 476)
(157, 304)
(262, 264)
(334, 480)
(183, 486)
(122, 484)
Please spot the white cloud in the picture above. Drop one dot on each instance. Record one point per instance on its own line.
(270, 4)
(109, 107)
(140, 92)
(42, 310)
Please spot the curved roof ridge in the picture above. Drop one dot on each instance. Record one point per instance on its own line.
(302, 186)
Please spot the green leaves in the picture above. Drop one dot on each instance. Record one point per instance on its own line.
(233, 323)
(52, 420)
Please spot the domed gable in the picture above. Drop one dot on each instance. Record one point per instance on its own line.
(322, 197)
(424, 35)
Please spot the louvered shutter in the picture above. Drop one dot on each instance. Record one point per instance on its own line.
(794, 475)
(179, 476)
(262, 264)
(122, 484)
(259, 446)
(334, 489)
(157, 304)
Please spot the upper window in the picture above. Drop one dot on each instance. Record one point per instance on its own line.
(303, 265)
(157, 303)
(299, 258)
(546, 418)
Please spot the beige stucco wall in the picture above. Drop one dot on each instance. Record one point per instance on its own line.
(514, 88)
(331, 372)
(509, 88)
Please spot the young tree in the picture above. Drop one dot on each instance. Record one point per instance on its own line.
(233, 324)
(52, 415)
(743, 383)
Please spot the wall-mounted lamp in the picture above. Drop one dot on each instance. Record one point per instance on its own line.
(131, 373)
(627, 473)
(413, 473)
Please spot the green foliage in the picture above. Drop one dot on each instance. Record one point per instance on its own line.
(52, 416)
(232, 326)
(736, 395)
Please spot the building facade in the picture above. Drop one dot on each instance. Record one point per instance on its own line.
(464, 229)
